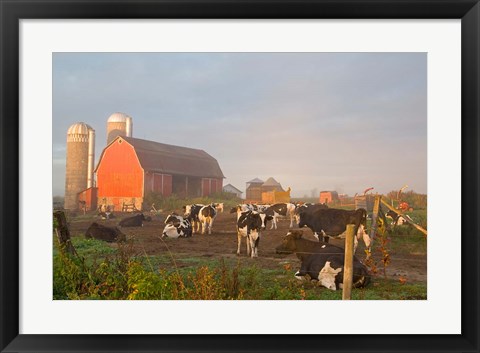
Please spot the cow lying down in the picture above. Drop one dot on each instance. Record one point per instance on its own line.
(101, 232)
(176, 226)
(321, 261)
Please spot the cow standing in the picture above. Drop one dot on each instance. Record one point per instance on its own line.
(206, 216)
(281, 209)
(332, 222)
(191, 213)
(249, 225)
(322, 261)
(308, 208)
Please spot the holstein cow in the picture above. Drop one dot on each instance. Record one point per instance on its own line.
(191, 213)
(176, 226)
(134, 221)
(101, 232)
(206, 215)
(249, 225)
(321, 261)
(281, 209)
(332, 222)
(308, 207)
(396, 218)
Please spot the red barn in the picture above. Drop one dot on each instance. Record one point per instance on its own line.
(130, 168)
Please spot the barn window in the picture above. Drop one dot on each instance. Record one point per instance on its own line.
(120, 141)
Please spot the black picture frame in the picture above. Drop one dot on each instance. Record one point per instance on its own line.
(11, 11)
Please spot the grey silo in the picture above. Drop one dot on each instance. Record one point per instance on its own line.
(79, 162)
(118, 124)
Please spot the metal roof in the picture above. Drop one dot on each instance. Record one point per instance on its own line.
(255, 181)
(233, 187)
(176, 160)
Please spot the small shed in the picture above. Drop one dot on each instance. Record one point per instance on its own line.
(271, 197)
(327, 197)
(233, 190)
(254, 190)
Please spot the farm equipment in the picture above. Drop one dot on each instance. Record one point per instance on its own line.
(402, 205)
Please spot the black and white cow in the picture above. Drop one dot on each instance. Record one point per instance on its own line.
(249, 226)
(308, 208)
(176, 226)
(321, 261)
(134, 221)
(206, 216)
(101, 232)
(396, 218)
(191, 213)
(281, 209)
(332, 222)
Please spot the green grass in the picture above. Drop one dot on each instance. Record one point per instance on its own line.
(105, 271)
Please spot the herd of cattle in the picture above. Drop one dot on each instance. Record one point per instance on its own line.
(320, 260)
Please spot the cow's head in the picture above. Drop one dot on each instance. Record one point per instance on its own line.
(187, 210)
(300, 218)
(327, 275)
(288, 245)
(173, 219)
(218, 206)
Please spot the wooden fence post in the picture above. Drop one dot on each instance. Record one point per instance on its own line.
(376, 209)
(348, 263)
(63, 233)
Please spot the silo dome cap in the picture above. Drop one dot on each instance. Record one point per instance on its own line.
(118, 118)
(79, 129)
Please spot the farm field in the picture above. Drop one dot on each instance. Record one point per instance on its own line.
(270, 276)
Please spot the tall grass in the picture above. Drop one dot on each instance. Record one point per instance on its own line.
(103, 272)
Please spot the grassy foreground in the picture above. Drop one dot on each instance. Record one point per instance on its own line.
(100, 271)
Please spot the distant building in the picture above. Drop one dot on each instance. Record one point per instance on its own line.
(254, 189)
(328, 197)
(271, 185)
(233, 190)
(269, 191)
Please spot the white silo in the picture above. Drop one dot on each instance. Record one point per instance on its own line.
(80, 162)
(119, 124)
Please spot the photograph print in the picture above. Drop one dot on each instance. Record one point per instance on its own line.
(239, 176)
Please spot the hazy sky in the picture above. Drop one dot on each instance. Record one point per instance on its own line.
(324, 121)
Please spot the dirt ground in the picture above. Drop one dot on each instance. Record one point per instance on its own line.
(222, 243)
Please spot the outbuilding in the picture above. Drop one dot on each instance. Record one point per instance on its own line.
(130, 168)
(233, 190)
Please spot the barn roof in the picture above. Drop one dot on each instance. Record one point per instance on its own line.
(176, 160)
(255, 181)
(271, 182)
